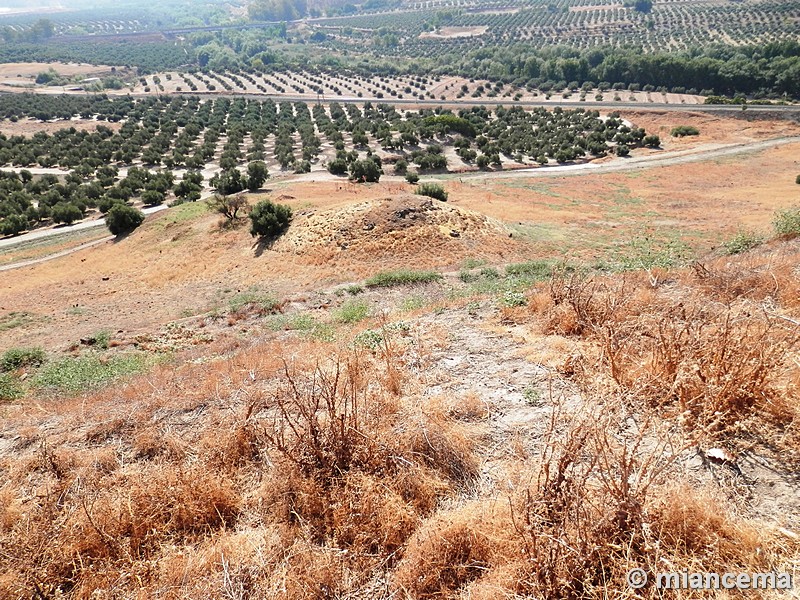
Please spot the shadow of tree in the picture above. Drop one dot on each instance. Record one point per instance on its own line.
(264, 243)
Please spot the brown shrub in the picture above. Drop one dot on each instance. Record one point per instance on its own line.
(447, 553)
(695, 525)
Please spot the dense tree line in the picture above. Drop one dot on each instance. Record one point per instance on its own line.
(771, 69)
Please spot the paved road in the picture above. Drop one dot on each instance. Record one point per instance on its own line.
(46, 233)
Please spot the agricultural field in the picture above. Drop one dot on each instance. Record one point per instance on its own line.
(138, 149)
(428, 29)
(322, 86)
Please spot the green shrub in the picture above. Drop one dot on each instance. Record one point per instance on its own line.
(513, 298)
(787, 222)
(533, 269)
(684, 130)
(742, 242)
(402, 277)
(122, 218)
(354, 290)
(433, 190)
(101, 339)
(647, 252)
(16, 358)
(265, 303)
(10, 388)
(269, 220)
(412, 177)
(80, 373)
(468, 275)
(651, 141)
(353, 311)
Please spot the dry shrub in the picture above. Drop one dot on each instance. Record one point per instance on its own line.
(350, 469)
(448, 552)
(569, 531)
(695, 525)
(136, 513)
(150, 443)
(369, 517)
(757, 277)
(715, 363)
(442, 444)
(318, 573)
(468, 408)
(329, 422)
(580, 304)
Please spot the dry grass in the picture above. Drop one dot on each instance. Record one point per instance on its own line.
(712, 345)
(290, 468)
(316, 454)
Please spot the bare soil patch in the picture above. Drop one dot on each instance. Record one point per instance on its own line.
(32, 69)
(28, 127)
(455, 32)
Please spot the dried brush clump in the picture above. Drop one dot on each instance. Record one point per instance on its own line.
(602, 497)
(317, 464)
(352, 468)
(711, 346)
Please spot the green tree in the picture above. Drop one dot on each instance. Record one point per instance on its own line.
(228, 182)
(152, 197)
(122, 218)
(65, 212)
(365, 171)
(269, 220)
(228, 206)
(257, 174)
(13, 224)
(338, 166)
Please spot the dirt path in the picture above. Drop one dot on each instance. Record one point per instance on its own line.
(478, 360)
(36, 261)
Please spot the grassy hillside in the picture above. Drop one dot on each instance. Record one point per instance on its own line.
(450, 438)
